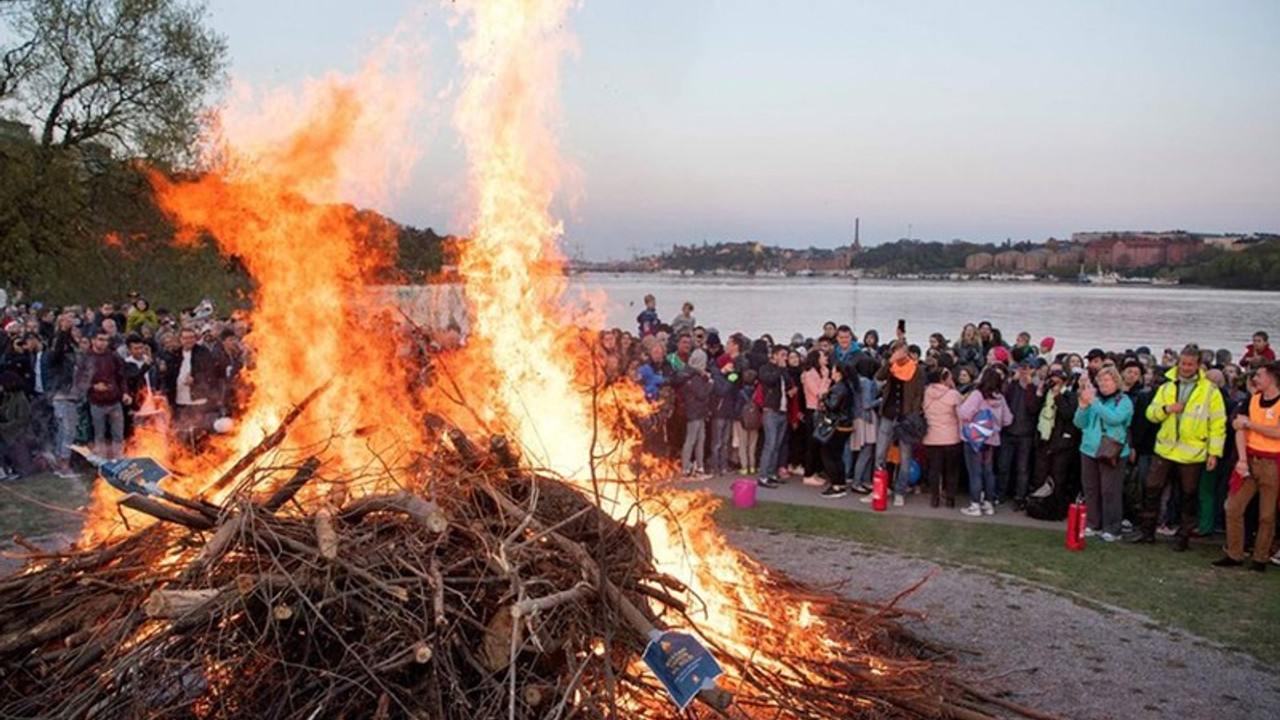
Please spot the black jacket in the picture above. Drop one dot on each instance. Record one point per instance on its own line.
(771, 379)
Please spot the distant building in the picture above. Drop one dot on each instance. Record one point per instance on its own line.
(1127, 250)
(979, 262)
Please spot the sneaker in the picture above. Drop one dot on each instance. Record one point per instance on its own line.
(974, 510)
(898, 500)
(1090, 532)
(866, 499)
(767, 483)
(1275, 559)
(1227, 562)
(862, 489)
(813, 481)
(1166, 531)
(1143, 539)
(1257, 566)
(1126, 526)
(835, 491)
(1108, 537)
(783, 473)
(988, 509)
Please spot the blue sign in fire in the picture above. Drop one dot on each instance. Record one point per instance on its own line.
(682, 664)
(139, 475)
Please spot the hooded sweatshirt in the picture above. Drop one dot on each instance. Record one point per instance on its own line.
(941, 409)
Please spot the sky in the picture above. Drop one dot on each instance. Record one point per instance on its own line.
(725, 121)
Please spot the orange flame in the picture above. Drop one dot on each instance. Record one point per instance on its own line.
(271, 200)
(534, 367)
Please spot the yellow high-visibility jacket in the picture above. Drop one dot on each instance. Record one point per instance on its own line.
(1197, 432)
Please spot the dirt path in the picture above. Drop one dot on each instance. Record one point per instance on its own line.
(1051, 652)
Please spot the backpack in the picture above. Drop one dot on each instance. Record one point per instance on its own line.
(981, 427)
(752, 415)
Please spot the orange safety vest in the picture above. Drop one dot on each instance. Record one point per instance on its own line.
(1263, 417)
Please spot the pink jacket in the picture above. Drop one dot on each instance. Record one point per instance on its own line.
(941, 410)
(975, 403)
(815, 386)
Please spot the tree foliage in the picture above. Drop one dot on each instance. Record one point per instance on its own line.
(1255, 268)
(918, 256)
(134, 75)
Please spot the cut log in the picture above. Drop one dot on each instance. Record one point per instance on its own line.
(326, 535)
(285, 492)
(172, 604)
(425, 512)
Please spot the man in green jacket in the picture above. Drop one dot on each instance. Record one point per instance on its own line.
(1192, 422)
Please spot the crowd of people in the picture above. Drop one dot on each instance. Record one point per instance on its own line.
(94, 375)
(1181, 443)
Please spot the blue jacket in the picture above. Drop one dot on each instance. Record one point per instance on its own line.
(726, 401)
(1109, 415)
(652, 380)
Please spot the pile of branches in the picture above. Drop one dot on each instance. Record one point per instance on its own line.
(490, 592)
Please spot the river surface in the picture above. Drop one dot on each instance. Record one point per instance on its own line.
(1079, 317)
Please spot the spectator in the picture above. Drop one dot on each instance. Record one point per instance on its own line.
(982, 415)
(1193, 427)
(1104, 412)
(15, 428)
(942, 441)
(102, 374)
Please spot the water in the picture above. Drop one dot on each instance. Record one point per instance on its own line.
(1078, 317)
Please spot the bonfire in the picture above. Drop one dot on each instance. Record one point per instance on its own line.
(488, 544)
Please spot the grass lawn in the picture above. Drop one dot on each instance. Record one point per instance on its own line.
(1235, 607)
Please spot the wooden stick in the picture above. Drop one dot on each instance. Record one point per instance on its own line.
(1006, 704)
(160, 511)
(715, 697)
(171, 604)
(268, 443)
(326, 536)
(285, 492)
(533, 606)
(426, 513)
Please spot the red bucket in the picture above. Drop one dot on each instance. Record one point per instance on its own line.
(744, 493)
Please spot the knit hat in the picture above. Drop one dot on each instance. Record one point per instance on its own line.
(1047, 344)
(698, 360)
(1001, 354)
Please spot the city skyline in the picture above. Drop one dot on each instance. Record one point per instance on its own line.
(986, 121)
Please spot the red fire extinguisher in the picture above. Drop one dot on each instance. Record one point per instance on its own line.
(1077, 521)
(880, 489)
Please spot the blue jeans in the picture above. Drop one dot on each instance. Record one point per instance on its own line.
(720, 444)
(775, 422)
(862, 466)
(101, 415)
(66, 414)
(884, 438)
(982, 473)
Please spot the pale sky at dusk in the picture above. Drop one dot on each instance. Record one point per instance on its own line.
(781, 122)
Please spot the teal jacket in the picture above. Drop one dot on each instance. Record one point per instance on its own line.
(1110, 415)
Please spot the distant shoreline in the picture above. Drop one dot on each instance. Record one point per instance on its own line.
(958, 278)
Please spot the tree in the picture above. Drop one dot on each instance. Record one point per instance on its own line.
(134, 75)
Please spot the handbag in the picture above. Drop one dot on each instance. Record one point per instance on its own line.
(911, 429)
(824, 428)
(1109, 448)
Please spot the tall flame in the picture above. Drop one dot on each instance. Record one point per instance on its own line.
(273, 199)
(537, 369)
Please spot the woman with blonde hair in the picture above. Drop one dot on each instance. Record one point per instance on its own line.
(1103, 417)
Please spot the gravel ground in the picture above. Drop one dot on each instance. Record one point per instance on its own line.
(1060, 655)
